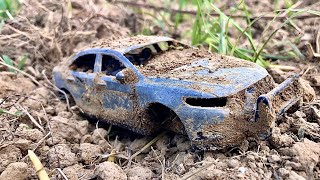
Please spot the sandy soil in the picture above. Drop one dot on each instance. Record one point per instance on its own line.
(71, 145)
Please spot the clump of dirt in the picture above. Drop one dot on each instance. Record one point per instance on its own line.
(130, 76)
(16, 170)
(78, 171)
(10, 83)
(60, 155)
(9, 154)
(89, 152)
(110, 170)
(139, 172)
(307, 152)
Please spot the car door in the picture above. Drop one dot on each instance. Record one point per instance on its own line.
(81, 75)
(116, 98)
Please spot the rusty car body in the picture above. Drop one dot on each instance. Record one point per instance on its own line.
(148, 83)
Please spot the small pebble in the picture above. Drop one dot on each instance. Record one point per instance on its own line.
(242, 169)
(233, 163)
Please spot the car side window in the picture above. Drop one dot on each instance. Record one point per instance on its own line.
(84, 63)
(110, 65)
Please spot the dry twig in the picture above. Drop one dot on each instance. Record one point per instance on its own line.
(188, 176)
(32, 119)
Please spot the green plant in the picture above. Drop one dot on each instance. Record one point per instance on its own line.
(20, 65)
(214, 32)
(8, 8)
(3, 111)
(212, 28)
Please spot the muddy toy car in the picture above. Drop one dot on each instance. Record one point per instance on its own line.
(148, 83)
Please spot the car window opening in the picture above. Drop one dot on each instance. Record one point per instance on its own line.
(84, 63)
(140, 57)
(111, 66)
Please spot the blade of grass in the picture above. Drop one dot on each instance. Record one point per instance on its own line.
(8, 61)
(284, 13)
(267, 56)
(275, 31)
(3, 111)
(178, 16)
(317, 13)
(217, 10)
(214, 43)
(3, 8)
(247, 14)
(276, 5)
(260, 17)
(296, 50)
(8, 8)
(222, 40)
(196, 29)
(248, 26)
(22, 62)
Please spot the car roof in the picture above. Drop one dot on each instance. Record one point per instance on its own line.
(127, 44)
(121, 45)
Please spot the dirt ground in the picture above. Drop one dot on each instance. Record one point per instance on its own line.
(74, 147)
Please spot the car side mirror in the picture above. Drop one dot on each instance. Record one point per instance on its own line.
(127, 76)
(120, 76)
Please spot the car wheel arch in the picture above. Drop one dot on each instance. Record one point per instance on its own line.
(167, 116)
(71, 99)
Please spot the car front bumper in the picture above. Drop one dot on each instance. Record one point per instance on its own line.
(218, 127)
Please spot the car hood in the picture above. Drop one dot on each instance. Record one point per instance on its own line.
(203, 76)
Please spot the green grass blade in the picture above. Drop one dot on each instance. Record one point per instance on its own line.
(8, 8)
(22, 62)
(247, 17)
(3, 8)
(296, 50)
(275, 31)
(3, 111)
(216, 9)
(196, 29)
(267, 56)
(178, 16)
(317, 13)
(222, 40)
(8, 61)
